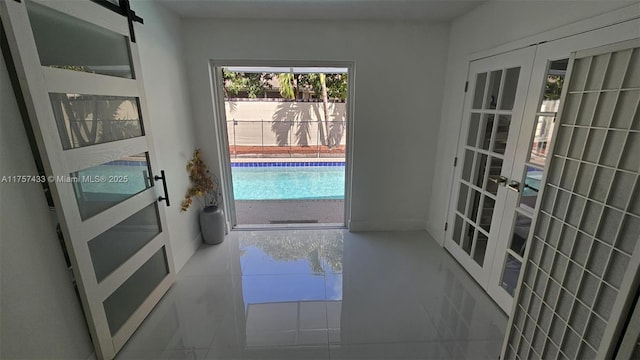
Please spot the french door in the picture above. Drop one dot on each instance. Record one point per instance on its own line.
(524, 183)
(79, 74)
(514, 206)
(492, 117)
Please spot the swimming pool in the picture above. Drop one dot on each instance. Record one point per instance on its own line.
(288, 181)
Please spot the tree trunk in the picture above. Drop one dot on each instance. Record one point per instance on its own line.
(325, 105)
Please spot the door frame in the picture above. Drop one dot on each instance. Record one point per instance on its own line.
(220, 128)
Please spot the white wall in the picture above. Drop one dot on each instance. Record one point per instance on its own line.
(40, 315)
(399, 75)
(161, 54)
(491, 24)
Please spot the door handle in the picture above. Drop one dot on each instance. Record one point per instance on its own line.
(499, 180)
(514, 185)
(163, 177)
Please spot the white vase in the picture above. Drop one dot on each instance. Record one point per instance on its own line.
(212, 225)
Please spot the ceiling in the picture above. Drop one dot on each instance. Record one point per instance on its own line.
(437, 10)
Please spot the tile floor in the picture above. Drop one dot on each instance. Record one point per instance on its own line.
(321, 294)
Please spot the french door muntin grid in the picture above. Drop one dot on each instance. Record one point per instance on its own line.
(493, 113)
(516, 228)
(483, 161)
(586, 288)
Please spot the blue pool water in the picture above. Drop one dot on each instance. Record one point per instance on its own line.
(288, 182)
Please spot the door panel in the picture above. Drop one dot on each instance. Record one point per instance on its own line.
(525, 180)
(585, 243)
(493, 112)
(88, 113)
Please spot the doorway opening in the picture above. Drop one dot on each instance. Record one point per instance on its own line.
(286, 138)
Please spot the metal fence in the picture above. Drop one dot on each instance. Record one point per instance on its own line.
(285, 138)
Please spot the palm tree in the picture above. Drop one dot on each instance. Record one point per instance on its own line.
(325, 107)
(92, 119)
(287, 88)
(290, 91)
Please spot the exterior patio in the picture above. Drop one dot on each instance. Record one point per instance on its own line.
(290, 212)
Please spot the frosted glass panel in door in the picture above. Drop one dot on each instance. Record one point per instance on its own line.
(103, 186)
(123, 302)
(68, 43)
(85, 120)
(113, 247)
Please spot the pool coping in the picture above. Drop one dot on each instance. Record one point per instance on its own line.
(286, 160)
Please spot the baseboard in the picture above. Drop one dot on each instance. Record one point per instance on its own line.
(436, 234)
(388, 225)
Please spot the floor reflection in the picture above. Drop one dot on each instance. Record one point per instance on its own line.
(291, 252)
(292, 309)
(320, 294)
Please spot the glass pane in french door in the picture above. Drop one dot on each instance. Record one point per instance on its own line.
(542, 133)
(486, 141)
(515, 252)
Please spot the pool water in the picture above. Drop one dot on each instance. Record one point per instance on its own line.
(288, 182)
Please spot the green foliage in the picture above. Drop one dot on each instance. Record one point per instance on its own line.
(253, 83)
(290, 84)
(322, 255)
(336, 85)
(553, 87)
(287, 85)
(72, 67)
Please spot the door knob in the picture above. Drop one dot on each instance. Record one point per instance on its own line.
(514, 185)
(498, 180)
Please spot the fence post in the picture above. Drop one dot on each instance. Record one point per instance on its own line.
(262, 135)
(235, 146)
(290, 131)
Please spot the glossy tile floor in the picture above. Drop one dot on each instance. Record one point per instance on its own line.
(321, 294)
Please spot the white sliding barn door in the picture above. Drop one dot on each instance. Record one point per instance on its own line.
(80, 78)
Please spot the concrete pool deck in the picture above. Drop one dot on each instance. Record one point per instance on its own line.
(289, 212)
